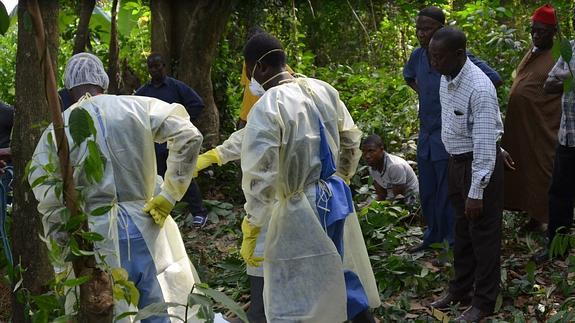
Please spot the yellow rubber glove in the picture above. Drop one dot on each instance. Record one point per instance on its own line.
(159, 208)
(206, 160)
(250, 237)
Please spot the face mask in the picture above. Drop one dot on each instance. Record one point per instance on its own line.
(256, 88)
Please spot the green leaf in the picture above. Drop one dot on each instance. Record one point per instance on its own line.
(101, 210)
(46, 302)
(566, 50)
(80, 125)
(126, 19)
(92, 236)
(76, 281)
(198, 299)
(556, 49)
(94, 163)
(74, 222)
(4, 19)
(119, 274)
(223, 299)
(39, 181)
(159, 309)
(100, 24)
(124, 315)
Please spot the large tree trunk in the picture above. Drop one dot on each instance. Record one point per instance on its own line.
(186, 33)
(31, 111)
(82, 38)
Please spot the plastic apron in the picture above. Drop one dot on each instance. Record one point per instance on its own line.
(174, 271)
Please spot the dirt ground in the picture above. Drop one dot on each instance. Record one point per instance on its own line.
(5, 306)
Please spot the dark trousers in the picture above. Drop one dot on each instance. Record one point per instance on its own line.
(193, 196)
(562, 190)
(435, 205)
(256, 313)
(477, 242)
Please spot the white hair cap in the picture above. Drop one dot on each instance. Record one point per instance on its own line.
(85, 68)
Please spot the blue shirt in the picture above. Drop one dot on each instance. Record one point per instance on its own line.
(429, 145)
(174, 91)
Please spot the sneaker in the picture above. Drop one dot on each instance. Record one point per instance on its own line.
(200, 221)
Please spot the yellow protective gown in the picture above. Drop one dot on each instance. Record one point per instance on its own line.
(127, 128)
(303, 271)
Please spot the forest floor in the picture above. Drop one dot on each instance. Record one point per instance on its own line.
(409, 282)
(5, 302)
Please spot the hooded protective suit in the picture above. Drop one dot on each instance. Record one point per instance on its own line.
(127, 127)
(282, 163)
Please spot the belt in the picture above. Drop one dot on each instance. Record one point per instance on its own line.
(469, 155)
(461, 157)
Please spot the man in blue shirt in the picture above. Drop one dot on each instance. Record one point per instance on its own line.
(170, 90)
(431, 155)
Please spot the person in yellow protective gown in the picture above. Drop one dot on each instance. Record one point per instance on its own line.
(299, 133)
(139, 235)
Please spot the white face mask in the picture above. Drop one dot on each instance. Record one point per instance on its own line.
(256, 88)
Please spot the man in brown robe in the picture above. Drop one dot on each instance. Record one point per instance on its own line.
(531, 125)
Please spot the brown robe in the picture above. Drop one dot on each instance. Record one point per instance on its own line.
(530, 136)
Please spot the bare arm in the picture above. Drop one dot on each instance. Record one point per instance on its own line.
(398, 189)
(380, 191)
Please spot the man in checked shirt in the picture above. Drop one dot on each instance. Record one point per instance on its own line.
(471, 127)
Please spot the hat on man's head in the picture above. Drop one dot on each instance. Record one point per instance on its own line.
(85, 68)
(545, 15)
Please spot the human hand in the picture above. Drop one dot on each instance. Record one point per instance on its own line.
(473, 208)
(205, 160)
(250, 237)
(509, 163)
(159, 208)
(240, 124)
(2, 165)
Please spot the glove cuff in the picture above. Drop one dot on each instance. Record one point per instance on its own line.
(215, 157)
(168, 197)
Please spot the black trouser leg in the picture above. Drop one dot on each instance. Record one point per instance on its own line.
(477, 247)
(193, 197)
(364, 317)
(256, 312)
(561, 191)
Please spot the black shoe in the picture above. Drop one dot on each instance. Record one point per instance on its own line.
(472, 314)
(448, 299)
(418, 248)
(541, 256)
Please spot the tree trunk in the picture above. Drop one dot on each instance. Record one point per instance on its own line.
(162, 30)
(186, 33)
(31, 111)
(114, 55)
(82, 38)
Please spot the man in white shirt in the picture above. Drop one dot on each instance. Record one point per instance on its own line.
(471, 127)
(393, 176)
